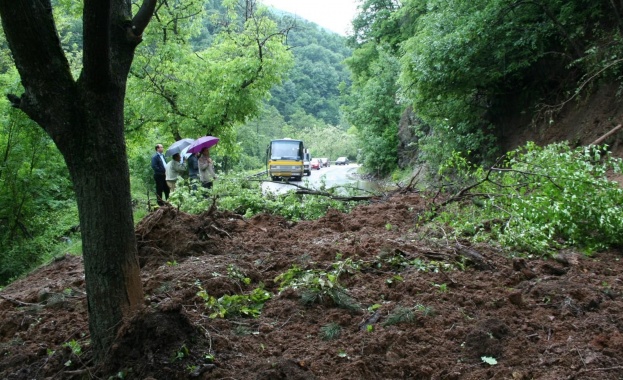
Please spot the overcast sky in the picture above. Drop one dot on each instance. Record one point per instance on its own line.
(334, 15)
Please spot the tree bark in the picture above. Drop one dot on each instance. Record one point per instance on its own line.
(84, 118)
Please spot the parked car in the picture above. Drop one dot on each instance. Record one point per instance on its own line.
(315, 164)
(325, 162)
(342, 161)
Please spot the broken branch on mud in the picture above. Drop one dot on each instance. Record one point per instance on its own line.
(306, 190)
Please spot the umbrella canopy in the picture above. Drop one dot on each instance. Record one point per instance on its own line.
(184, 153)
(178, 146)
(202, 142)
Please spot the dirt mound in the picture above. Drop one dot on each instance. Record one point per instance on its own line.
(158, 344)
(414, 305)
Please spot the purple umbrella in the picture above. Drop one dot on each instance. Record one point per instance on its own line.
(202, 142)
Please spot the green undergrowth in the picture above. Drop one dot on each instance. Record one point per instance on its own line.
(313, 286)
(320, 286)
(536, 200)
(245, 305)
(401, 314)
(244, 196)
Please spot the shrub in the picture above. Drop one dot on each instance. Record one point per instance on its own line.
(316, 286)
(544, 198)
(244, 196)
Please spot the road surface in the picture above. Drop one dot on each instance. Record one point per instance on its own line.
(325, 178)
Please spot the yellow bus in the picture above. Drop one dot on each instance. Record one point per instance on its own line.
(284, 159)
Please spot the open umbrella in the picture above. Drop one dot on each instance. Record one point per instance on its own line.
(184, 153)
(202, 142)
(178, 146)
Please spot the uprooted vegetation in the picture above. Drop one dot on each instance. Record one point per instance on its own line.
(376, 293)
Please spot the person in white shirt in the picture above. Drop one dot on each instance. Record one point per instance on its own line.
(174, 170)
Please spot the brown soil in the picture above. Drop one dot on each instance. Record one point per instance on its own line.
(540, 319)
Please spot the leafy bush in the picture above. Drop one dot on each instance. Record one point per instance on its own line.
(316, 286)
(246, 305)
(544, 198)
(244, 196)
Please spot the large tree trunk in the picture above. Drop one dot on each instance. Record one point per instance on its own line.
(85, 120)
(99, 169)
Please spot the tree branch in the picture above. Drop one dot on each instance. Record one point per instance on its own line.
(558, 107)
(142, 18)
(306, 190)
(602, 138)
(32, 37)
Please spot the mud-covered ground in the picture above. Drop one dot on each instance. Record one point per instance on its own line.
(411, 305)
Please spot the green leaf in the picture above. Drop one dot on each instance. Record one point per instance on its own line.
(489, 360)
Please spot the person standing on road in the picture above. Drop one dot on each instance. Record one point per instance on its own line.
(206, 169)
(174, 169)
(159, 164)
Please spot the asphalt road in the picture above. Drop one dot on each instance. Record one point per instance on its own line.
(335, 175)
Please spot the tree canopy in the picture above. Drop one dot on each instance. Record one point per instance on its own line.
(466, 67)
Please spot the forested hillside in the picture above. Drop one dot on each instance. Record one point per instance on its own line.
(474, 74)
(313, 84)
(307, 104)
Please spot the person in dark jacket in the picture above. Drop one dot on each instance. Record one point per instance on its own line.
(193, 170)
(158, 164)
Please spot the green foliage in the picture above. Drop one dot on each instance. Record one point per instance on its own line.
(330, 331)
(468, 67)
(245, 305)
(394, 279)
(237, 274)
(401, 314)
(244, 196)
(329, 141)
(542, 199)
(443, 288)
(489, 360)
(374, 307)
(318, 286)
(180, 354)
(397, 261)
(312, 84)
(190, 92)
(373, 109)
(74, 346)
(37, 208)
(197, 71)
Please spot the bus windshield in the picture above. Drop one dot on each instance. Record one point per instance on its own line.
(285, 150)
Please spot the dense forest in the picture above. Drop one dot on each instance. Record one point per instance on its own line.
(469, 72)
(457, 73)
